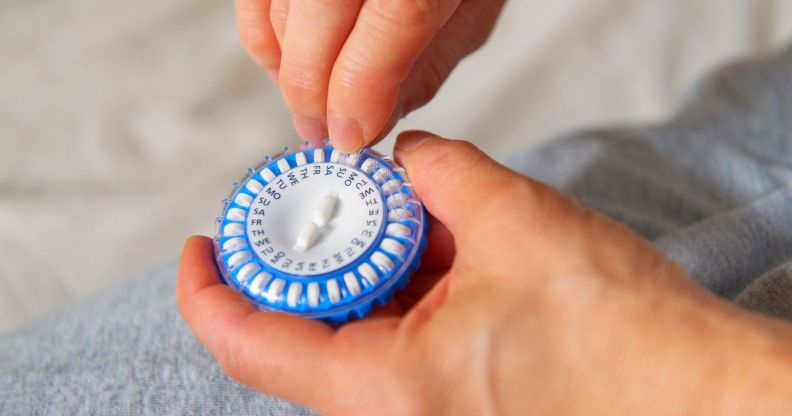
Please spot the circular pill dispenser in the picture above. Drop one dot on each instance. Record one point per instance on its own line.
(321, 233)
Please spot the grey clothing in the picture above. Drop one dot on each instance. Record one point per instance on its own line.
(712, 188)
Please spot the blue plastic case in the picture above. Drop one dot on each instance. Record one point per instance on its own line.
(253, 262)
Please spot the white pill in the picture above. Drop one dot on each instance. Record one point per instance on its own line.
(233, 229)
(351, 283)
(234, 244)
(283, 165)
(267, 174)
(368, 273)
(236, 214)
(391, 186)
(275, 290)
(334, 156)
(254, 186)
(293, 295)
(398, 230)
(352, 159)
(247, 271)
(243, 199)
(325, 209)
(313, 294)
(397, 200)
(399, 214)
(392, 246)
(319, 156)
(307, 238)
(368, 165)
(382, 174)
(258, 282)
(237, 258)
(382, 261)
(332, 291)
(300, 159)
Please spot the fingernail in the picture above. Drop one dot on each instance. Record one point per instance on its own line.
(308, 128)
(410, 140)
(345, 134)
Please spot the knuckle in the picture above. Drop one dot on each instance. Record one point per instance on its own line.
(428, 83)
(466, 149)
(354, 70)
(442, 158)
(436, 73)
(300, 87)
(332, 5)
(230, 363)
(514, 196)
(344, 340)
(507, 196)
(451, 152)
(409, 12)
(279, 14)
(534, 196)
(256, 41)
(470, 28)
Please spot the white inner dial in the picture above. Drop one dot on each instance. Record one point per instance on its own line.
(315, 219)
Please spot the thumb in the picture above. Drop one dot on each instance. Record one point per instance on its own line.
(459, 184)
(506, 220)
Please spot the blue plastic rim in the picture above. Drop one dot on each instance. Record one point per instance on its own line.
(342, 294)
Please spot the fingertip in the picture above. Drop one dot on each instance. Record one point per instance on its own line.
(197, 239)
(406, 146)
(195, 248)
(410, 140)
(345, 133)
(197, 268)
(194, 253)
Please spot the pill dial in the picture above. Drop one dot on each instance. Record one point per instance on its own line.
(321, 233)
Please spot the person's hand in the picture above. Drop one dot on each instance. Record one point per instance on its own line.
(541, 306)
(355, 67)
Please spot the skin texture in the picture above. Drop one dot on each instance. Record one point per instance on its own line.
(352, 68)
(527, 303)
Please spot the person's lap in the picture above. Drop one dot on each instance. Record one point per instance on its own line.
(126, 351)
(711, 188)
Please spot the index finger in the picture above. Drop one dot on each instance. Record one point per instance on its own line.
(377, 57)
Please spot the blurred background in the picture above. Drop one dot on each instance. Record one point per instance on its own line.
(123, 124)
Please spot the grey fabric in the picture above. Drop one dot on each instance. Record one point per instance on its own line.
(770, 294)
(125, 352)
(712, 187)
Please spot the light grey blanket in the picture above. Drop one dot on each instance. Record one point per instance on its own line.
(712, 187)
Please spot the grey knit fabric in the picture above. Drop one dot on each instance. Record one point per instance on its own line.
(712, 187)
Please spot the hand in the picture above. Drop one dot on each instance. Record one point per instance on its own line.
(528, 303)
(356, 67)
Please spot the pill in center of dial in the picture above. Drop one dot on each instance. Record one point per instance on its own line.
(325, 209)
(308, 236)
(322, 213)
